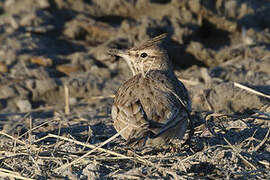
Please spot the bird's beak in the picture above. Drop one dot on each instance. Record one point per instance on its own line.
(125, 55)
(116, 52)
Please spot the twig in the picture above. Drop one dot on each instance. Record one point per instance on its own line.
(11, 137)
(262, 113)
(251, 90)
(209, 105)
(67, 109)
(36, 127)
(102, 144)
(126, 176)
(30, 130)
(238, 153)
(88, 138)
(11, 154)
(35, 163)
(7, 173)
(80, 143)
(263, 141)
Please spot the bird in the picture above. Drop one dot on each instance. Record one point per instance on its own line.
(152, 107)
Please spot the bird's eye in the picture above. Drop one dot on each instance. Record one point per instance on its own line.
(144, 55)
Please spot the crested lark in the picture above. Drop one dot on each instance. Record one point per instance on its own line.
(153, 106)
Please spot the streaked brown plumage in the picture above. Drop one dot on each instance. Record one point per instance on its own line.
(153, 105)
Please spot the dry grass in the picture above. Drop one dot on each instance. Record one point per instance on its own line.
(224, 146)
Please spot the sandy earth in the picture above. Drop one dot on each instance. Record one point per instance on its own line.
(220, 50)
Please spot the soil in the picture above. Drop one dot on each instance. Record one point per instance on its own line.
(220, 50)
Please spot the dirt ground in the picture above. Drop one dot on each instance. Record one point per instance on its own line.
(52, 51)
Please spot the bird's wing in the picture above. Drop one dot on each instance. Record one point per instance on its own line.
(174, 95)
(175, 113)
(129, 111)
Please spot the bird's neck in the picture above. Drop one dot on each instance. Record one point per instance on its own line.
(159, 65)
